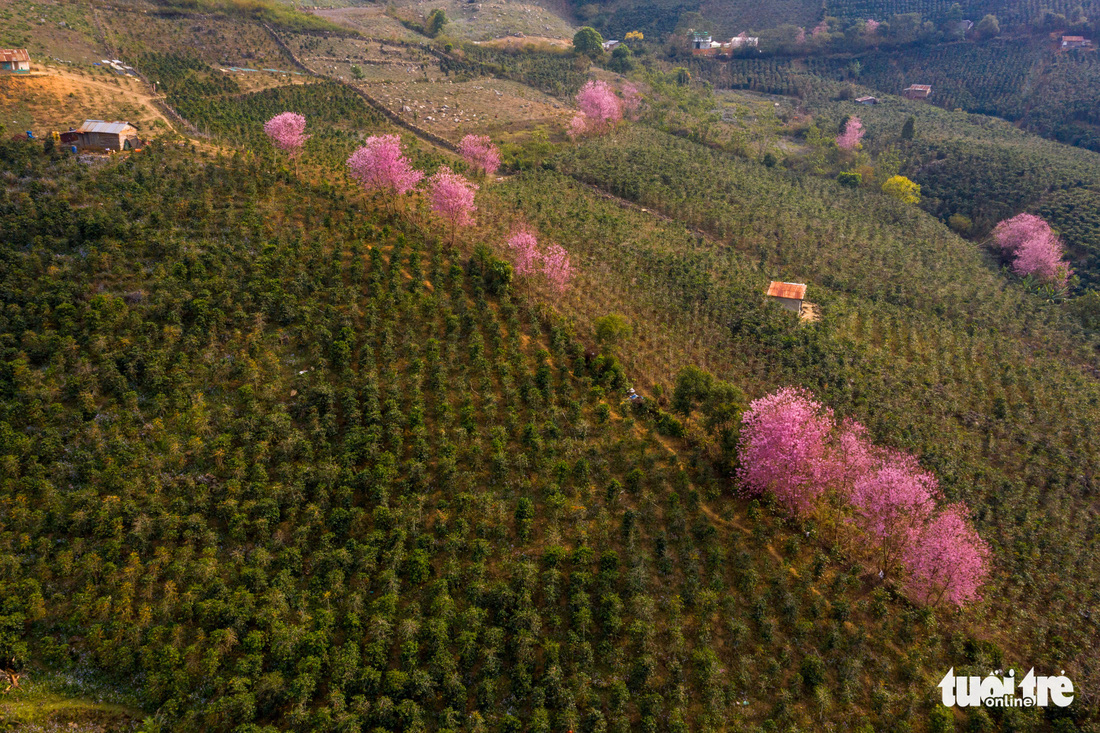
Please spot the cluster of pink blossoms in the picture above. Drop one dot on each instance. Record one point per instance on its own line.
(554, 264)
(792, 449)
(1035, 248)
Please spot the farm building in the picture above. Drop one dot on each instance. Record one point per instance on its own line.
(866, 100)
(100, 135)
(917, 91)
(1075, 42)
(788, 295)
(611, 45)
(15, 61)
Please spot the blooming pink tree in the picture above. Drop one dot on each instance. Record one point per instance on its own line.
(480, 154)
(1036, 249)
(871, 26)
(380, 166)
(525, 245)
(632, 98)
(891, 503)
(784, 449)
(452, 197)
(600, 108)
(800, 39)
(946, 559)
(287, 132)
(820, 29)
(853, 133)
(557, 267)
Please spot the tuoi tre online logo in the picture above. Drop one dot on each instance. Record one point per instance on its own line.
(994, 691)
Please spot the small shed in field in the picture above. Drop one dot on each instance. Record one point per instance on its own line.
(100, 135)
(866, 100)
(918, 91)
(1075, 42)
(15, 61)
(788, 295)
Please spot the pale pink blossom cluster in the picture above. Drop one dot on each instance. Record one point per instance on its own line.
(792, 449)
(820, 29)
(599, 109)
(853, 133)
(871, 26)
(1036, 249)
(452, 197)
(800, 39)
(480, 154)
(380, 166)
(287, 131)
(554, 264)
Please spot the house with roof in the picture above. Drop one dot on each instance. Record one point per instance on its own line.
(702, 44)
(15, 61)
(100, 135)
(917, 91)
(1075, 42)
(866, 100)
(788, 295)
(611, 45)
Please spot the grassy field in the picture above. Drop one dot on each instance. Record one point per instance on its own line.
(53, 703)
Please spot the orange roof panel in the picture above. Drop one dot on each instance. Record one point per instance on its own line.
(795, 291)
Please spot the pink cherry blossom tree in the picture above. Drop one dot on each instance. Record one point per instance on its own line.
(890, 503)
(871, 26)
(820, 29)
(601, 107)
(452, 197)
(1036, 249)
(1010, 234)
(557, 267)
(946, 559)
(287, 132)
(577, 126)
(800, 38)
(632, 99)
(380, 166)
(784, 449)
(525, 248)
(480, 154)
(853, 133)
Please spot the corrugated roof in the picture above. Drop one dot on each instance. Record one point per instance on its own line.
(106, 127)
(796, 291)
(920, 87)
(14, 54)
(1073, 38)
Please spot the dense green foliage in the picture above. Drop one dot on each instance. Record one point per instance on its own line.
(271, 462)
(551, 72)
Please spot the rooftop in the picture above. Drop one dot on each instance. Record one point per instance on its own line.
(107, 127)
(9, 55)
(795, 291)
(920, 87)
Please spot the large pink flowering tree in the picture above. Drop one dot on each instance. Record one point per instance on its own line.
(945, 559)
(1035, 248)
(784, 449)
(525, 249)
(380, 166)
(480, 154)
(452, 197)
(890, 503)
(599, 107)
(287, 132)
(557, 267)
(853, 133)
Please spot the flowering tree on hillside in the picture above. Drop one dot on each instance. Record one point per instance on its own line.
(891, 503)
(287, 132)
(870, 26)
(632, 98)
(599, 108)
(784, 449)
(853, 133)
(945, 559)
(557, 267)
(380, 166)
(1036, 249)
(526, 248)
(480, 154)
(452, 197)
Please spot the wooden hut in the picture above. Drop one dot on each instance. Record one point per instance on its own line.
(100, 135)
(15, 61)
